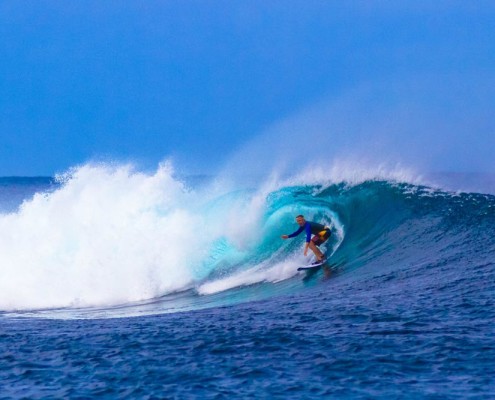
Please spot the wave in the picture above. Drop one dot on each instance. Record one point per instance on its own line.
(109, 235)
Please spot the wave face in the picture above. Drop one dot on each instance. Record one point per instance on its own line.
(109, 237)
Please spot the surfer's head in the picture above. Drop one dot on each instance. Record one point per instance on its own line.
(300, 220)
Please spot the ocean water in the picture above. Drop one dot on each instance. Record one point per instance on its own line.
(119, 283)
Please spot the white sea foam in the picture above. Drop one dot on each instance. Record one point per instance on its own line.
(108, 236)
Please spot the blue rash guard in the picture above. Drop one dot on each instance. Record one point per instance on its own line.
(310, 228)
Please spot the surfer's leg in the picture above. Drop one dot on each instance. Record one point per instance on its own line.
(317, 241)
(314, 248)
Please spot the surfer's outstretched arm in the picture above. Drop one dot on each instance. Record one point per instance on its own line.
(293, 234)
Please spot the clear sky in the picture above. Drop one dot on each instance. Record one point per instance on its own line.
(197, 80)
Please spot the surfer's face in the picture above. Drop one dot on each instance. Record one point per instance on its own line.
(300, 221)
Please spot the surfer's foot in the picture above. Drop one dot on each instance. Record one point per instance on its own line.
(320, 261)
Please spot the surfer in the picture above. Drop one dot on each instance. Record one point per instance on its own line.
(321, 234)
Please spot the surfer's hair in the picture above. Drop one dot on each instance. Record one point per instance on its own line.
(300, 216)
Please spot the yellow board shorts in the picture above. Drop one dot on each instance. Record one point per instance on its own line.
(321, 237)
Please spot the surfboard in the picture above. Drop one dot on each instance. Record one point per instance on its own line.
(311, 267)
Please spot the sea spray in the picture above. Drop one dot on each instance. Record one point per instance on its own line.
(108, 235)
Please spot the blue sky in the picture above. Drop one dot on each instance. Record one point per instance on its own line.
(197, 80)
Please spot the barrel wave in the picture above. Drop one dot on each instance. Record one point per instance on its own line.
(107, 241)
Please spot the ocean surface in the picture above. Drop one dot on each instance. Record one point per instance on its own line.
(117, 283)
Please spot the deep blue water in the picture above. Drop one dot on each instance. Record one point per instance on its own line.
(405, 309)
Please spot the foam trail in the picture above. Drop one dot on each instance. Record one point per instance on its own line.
(277, 272)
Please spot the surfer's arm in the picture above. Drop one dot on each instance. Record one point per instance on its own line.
(307, 228)
(296, 232)
(306, 247)
(308, 234)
